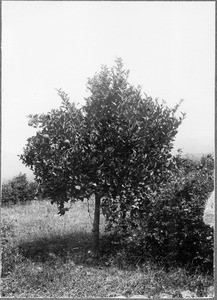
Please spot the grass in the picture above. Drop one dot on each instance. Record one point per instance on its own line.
(45, 255)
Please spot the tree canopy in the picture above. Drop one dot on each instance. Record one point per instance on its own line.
(117, 146)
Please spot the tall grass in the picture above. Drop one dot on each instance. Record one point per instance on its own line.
(39, 219)
(45, 255)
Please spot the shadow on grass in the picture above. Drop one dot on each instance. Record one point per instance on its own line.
(74, 247)
(71, 246)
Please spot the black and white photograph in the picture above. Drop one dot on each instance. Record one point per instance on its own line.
(107, 149)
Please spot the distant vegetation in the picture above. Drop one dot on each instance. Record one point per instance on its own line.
(18, 190)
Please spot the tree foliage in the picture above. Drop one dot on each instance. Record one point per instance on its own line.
(130, 131)
(117, 146)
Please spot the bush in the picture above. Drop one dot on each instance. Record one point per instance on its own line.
(18, 190)
(169, 227)
(176, 225)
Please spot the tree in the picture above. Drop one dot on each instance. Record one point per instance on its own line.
(117, 146)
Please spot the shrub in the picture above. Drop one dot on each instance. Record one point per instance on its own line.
(169, 226)
(176, 224)
(18, 190)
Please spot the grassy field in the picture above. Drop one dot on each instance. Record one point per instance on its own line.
(45, 255)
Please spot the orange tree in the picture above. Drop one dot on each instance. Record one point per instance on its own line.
(116, 147)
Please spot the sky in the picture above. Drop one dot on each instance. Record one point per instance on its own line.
(169, 48)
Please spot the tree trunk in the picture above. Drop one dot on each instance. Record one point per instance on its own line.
(96, 223)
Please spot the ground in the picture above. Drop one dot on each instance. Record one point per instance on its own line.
(45, 255)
